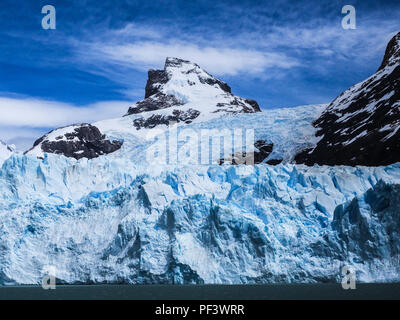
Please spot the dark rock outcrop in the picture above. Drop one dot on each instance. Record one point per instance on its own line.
(261, 152)
(83, 141)
(361, 126)
(177, 116)
(155, 79)
(156, 102)
(246, 106)
(254, 104)
(392, 53)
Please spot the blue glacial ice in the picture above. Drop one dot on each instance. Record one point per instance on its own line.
(109, 220)
(122, 219)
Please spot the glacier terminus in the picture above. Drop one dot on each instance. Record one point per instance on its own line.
(88, 199)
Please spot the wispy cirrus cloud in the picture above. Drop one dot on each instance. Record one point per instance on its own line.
(259, 50)
(218, 60)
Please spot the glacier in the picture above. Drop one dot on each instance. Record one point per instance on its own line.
(120, 219)
(148, 198)
(289, 129)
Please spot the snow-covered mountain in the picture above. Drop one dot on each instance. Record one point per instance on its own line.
(181, 93)
(286, 130)
(361, 126)
(5, 151)
(184, 92)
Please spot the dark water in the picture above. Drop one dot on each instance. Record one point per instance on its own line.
(205, 292)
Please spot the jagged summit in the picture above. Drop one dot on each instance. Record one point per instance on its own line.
(189, 93)
(181, 92)
(361, 126)
(172, 65)
(392, 54)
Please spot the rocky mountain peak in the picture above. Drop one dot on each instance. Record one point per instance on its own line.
(171, 62)
(361, 126)
(392, 53)
(189, 92)
(179, 69)
(182, 92)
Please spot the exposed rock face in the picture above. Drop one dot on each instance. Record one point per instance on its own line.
(156, 102)
(157, 119)
(79, 141)
(183, 88)
(156, 78)
(261, 152)
(361, 126)
(392, 53)
(247, 106)
(264, 150)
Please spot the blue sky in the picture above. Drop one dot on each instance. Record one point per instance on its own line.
(280, 53)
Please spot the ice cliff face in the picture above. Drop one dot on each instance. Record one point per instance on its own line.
(109, 220)
(361, 126)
